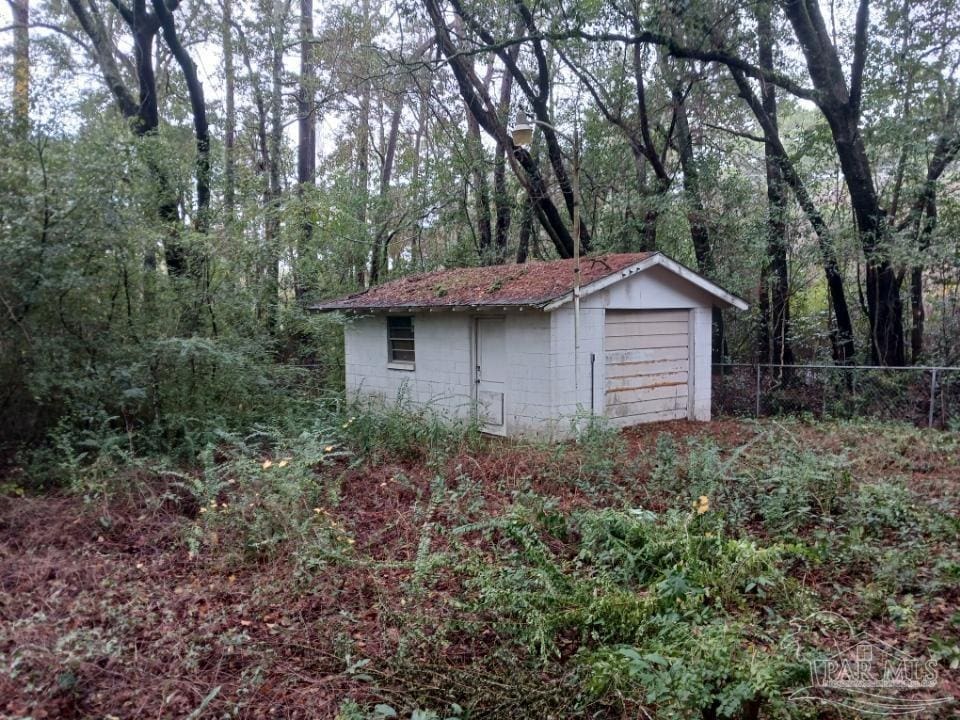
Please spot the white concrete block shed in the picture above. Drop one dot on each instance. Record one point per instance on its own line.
(497, 342)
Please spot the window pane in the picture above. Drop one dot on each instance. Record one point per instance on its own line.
(400, 339)
(399, 322)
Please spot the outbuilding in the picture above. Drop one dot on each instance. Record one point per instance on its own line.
(506, 343)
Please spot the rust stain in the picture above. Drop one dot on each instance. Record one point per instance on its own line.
(648, 387)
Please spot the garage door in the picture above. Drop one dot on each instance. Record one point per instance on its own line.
(648, 365)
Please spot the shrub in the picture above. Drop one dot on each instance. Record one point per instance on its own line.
(646, 596)
(601, 451)
(803, 488)
(374, 429)
(268, 494)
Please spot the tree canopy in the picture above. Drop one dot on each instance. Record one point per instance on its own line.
(180, 178)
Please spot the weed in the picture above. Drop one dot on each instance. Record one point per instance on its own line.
(265, 504)
(375, 430)
(602, 451)
(803, 488)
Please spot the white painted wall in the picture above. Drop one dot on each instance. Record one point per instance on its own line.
(540, 395)
(654, 289)
(570, 397)
(441, 377)
(443, 374)
(528, 400)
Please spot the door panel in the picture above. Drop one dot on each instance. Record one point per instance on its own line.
(647, 365)
(491, 374)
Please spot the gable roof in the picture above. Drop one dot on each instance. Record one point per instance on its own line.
(544, 285)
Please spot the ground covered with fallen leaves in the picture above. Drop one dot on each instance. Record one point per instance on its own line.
(360, 584)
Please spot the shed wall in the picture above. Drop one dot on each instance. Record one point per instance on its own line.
(652, 289)
(529, 400)
(441, 376)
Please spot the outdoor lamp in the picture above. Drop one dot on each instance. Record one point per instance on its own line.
(522, 130)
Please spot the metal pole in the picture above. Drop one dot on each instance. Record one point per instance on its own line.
(593, 362)
(758, 391)
(576, 262)
(933, 396)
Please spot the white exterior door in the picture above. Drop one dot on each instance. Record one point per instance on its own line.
(491, 374)
(648, 374)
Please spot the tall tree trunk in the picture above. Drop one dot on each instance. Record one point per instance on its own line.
(306, 139)
(144, 26)
(840, 105)
(776, 278)
(363, 141)
(198, 108)
(481, 188)
(921, 221)
(526, 230)
(502, 202)
(424, 87)
(538, 98)
(477, 160)
(696, 212)
(197, 262)
(638, 135)
(841, 337)
(378, 259)
(262, 166)
(917, 312)
(21, 65)
(270, 283)
(104, 53)
(524, 166)
(230, 115)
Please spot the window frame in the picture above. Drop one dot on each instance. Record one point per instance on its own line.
(403, 362)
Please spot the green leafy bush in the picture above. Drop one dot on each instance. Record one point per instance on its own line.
(375, 429)
(264, 495)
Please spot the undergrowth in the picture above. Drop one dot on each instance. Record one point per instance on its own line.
(598, 582)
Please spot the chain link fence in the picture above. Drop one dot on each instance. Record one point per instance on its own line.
(925, 396)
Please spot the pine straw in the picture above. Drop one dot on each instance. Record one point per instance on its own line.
(104, 613)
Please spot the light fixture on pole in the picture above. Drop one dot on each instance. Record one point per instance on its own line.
(522, 130)
(522, 134)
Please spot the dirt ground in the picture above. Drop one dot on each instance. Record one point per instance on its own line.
(104, 612)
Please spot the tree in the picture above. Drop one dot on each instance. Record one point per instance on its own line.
(21, 65)
(306, 132)
(483, 109)
(774, 335)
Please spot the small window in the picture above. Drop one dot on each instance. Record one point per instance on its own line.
(400, 340)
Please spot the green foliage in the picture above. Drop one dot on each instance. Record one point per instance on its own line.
(375, 429)
(645, 597)
(266, 495)
(803, 487)
(602, 449)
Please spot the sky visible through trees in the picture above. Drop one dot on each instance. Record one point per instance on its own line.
(181, 172)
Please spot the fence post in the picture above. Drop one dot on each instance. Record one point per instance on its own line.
(933, 395)
(758, 390)
(823, 407)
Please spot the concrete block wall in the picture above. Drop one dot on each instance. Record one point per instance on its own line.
(653, 289)
(701, 358)
(539, 394)
(571, 395)
(441, 376)
(528, 400)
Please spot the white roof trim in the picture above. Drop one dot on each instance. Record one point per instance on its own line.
(656, 259)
